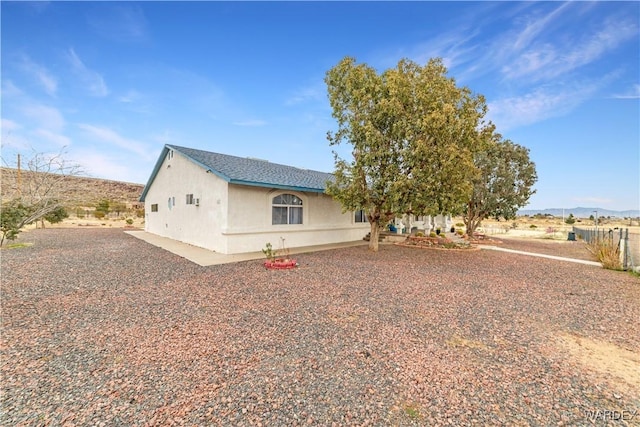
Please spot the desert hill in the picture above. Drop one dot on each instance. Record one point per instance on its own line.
(73, 191)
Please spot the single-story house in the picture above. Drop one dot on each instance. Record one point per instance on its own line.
(232, 204)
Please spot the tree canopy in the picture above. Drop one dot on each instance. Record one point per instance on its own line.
(413, 133)
(504, 182)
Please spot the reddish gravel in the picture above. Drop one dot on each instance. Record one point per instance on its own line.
(571, 249)
(99, 328)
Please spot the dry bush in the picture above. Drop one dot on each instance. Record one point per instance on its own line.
(607, 253)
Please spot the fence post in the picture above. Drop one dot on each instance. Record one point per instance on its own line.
(624, 249)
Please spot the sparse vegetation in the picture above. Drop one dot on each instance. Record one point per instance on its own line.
(607, 253)
(269, 252)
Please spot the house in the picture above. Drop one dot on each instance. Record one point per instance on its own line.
(231, 204)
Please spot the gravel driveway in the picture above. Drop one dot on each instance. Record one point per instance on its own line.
(100, 328)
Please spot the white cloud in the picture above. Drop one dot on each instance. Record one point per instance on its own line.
(12, 137)
(546, 60)
(535, 27)
(44, 117)
(9, 125)
(10, 89)
(633, 93)
(536, 106)
(111, 137)
(100, 165)
(56, 138)
(41, 74)
(94, 82)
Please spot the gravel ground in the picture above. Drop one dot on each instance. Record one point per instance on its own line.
(100, 328)
(570, 249)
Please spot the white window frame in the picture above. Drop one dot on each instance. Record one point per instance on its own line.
(290, 207)
(363, 216)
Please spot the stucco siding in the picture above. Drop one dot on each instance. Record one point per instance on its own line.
(250, 222)
(197, 224)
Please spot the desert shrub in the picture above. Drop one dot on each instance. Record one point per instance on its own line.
(433, 234)
(99, 214)
(459, 224)
(419, 234)
(140, 213)
(57, 215)
(460, 232)
(607, 253)
(129, 221)
(533, 226)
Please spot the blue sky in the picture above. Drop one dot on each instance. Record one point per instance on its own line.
(112, 82)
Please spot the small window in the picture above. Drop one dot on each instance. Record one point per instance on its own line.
(190, 199)
(171, 202)
(361, 216)
(154, 207)
(286, 209)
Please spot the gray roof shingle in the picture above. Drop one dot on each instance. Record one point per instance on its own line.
(248, 171)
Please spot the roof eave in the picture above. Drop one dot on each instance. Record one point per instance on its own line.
(277, 186)
(156, 168)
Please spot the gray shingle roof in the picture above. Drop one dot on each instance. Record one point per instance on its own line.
(248, 171)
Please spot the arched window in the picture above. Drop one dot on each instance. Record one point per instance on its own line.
(286, 209)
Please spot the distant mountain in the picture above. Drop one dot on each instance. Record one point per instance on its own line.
(581, 212)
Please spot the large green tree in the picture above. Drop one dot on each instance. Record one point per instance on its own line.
(444, 127)
(504, 182)
(412, 131)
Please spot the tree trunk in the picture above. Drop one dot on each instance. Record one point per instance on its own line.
(373, 237)
(471, 221)
(471, 225)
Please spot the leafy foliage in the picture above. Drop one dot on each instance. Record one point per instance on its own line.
(504, 182)
(570, 219)
(413, 132)
(11, 220)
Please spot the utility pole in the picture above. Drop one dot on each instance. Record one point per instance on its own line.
(19, 178)
(596, 225)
